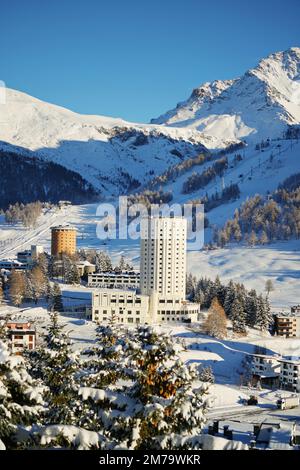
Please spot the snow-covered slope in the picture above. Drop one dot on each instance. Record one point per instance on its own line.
(110, 153)
(257, 105)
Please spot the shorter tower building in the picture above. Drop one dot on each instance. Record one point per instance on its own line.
(63, 240)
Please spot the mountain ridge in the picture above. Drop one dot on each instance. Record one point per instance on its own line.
(259, 104)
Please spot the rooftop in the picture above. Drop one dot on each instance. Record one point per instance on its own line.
(288, 314)
(63, 227)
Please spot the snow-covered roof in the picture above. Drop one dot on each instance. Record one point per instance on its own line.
(287, 315)
(63, 227)
(84, 263)
(290, 359)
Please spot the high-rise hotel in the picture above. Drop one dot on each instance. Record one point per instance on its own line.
(161, 296)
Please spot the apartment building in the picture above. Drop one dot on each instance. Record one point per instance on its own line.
(160, 297)
(265, 370)
(22, 336)
(288, 323)
(290, 373)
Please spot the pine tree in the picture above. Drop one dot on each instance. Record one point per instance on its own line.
(71, 274)
(56, 365)
(122, 264)
(238, 317)
(103, 262)
(251, 308)
(55, 299)
(158, 406)
(229, 297)
(190, 286)
(263, 316)
(162, 379)
(207, 375)
(20, 397)
(106, 359)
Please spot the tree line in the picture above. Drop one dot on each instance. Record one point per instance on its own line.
(263, 219)
(200, 180)
(27, 179)
(244, 308)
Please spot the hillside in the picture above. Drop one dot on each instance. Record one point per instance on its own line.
(113, 155)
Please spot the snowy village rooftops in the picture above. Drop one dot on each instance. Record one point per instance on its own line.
(276, 435)
(15, 323)
(290, 360)
(287, 314)
(266, 435)
(84, 263)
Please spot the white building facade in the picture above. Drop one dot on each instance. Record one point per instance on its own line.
(161, 296)
(290, 374)
(113, 280)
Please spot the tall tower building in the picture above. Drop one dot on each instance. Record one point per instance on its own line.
(163, 257)
(63, 240)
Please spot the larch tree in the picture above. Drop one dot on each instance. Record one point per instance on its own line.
(17, 287)
(216, 321)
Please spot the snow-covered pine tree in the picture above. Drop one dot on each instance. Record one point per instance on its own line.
(230, 296)
(190, 286)
(171, 411)
(158, 404)
(55, 298)
(71, 274)
(103, 262)
(251, 308)
(122, 264)
(263, 316)
(21, 401)
(57, 366)
(207, 375)
(238, 317)
(106, 359)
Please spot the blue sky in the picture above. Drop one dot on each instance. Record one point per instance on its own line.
(136, 58)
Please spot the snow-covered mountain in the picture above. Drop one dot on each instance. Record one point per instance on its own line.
(255, 106)
(116, 156)
(112, 154)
